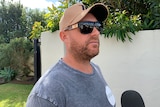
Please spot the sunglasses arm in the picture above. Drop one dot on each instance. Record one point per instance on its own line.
(72, 27)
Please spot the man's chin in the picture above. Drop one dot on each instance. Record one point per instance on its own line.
(94, 54)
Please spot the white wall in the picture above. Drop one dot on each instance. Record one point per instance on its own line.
(52, 49)
(130, 65)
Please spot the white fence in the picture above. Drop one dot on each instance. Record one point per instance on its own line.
(130, 65)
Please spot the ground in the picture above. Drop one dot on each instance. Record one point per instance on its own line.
(29, 80)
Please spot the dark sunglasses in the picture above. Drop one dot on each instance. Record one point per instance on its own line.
(86, 27)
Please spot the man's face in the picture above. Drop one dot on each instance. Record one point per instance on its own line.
(83, 46)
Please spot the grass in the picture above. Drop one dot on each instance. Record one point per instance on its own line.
(14, 95)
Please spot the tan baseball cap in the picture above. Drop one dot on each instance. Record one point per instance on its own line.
(76, 12)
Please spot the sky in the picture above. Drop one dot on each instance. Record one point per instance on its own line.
(40, 4)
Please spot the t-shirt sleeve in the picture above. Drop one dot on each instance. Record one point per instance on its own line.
(36, 101)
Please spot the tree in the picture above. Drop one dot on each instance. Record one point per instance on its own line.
(17, 21)
(52, 19)
(15, 26)
(31, 16)
(10, 15)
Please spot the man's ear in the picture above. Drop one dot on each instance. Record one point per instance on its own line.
(63, 35)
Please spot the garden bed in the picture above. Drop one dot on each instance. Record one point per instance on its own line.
(28, 80)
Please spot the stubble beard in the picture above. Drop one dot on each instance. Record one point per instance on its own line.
(83, 52)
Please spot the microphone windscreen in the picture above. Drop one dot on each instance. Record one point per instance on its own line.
(131, 98)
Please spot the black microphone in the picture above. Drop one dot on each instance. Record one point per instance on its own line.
(131, 98)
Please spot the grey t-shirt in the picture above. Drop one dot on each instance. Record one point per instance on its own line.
(63, 86)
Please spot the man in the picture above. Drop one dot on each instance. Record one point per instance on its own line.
(75, 81)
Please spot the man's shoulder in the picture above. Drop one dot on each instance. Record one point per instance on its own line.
(47, 87)
(50, 80)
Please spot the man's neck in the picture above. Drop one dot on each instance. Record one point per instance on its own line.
(81, 65)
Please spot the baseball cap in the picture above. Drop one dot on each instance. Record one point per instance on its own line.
(77, 12)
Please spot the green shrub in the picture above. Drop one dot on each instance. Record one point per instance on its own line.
(36, 30)
(125, 16)
(151, 18)
(119, 24)
(7, 73)
(148, 9)
(16, 55)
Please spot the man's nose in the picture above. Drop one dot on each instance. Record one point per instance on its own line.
(95, 32)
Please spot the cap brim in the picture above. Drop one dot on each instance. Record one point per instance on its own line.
(100, 11)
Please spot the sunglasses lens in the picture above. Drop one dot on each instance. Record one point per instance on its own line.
(99, 27)
(87, 27)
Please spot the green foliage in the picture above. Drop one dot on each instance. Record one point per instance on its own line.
(51, 18)
(119, 22)
(36, 30)
(126, 16)
(31, 18)
(16, 55)
(10, 23)
(148, 9)
(134, 6)
(151, 18)
(119, 25)
(54, 15)
(7, 73)
(141, 15)
(16, 21)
